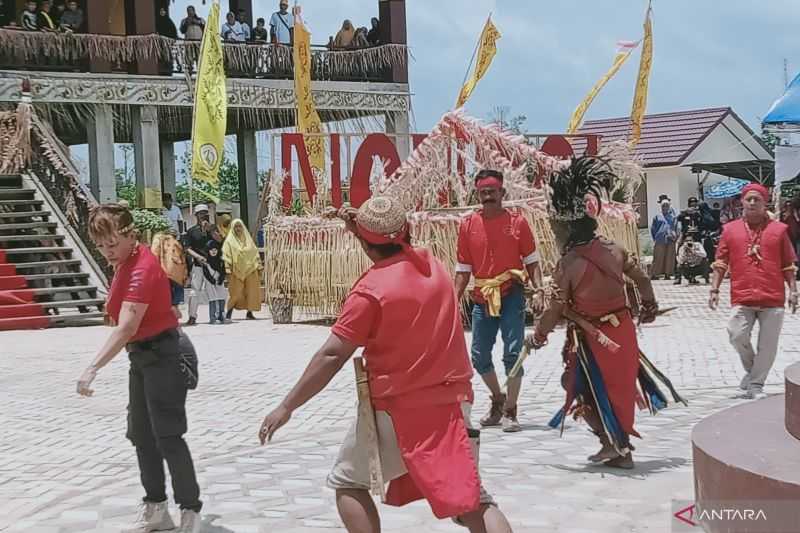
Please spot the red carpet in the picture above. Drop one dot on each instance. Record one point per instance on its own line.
(18, 309)
(12, 282)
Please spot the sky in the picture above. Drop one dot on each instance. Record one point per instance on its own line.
(708, 53)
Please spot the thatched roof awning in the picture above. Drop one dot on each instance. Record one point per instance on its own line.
(327, 64)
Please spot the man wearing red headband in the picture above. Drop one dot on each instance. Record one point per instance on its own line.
(497, 247)
(404, 312)
(760, 257)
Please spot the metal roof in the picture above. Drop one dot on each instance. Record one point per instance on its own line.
(667, 138)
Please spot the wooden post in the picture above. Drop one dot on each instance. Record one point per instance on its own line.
(393, 31)
(98, 20)
(366, 415)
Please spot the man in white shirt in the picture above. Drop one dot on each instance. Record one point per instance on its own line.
(281, 25)
(172, 213)
(232, 30)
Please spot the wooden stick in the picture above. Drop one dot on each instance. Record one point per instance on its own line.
(366, 414)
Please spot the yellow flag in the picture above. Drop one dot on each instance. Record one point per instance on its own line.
(210, 104)
(643, 82)
(625, 51)
(486, 51)
(308, 121)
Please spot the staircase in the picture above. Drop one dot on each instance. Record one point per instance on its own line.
(43, 279)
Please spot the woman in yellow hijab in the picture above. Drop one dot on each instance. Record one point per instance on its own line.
(242, 265)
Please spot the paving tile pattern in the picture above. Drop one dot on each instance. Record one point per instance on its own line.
(65, 465)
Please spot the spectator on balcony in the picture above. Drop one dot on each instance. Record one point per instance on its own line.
(43, 19)
(374, 34)
(281, 25)
(72, 19)
(192, 26)
(231, 30)
(360, 39)
(28, 17)
(57, 11)
(164, 25)
(344, 36)
(260, 32)
(241, 18)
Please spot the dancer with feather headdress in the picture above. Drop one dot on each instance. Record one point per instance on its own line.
(601, 354)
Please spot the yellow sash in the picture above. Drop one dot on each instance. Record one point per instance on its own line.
(490, 288)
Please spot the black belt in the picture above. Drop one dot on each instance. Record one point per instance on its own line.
(147, 344)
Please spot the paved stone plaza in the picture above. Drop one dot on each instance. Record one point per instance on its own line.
(65, 465)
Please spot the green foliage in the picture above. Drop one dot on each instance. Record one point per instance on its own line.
(149, 220)
(126, 188)
(770, 140)
(227, 188)
(501, 115)
(297, 208)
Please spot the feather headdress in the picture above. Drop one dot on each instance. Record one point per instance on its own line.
(578, 190)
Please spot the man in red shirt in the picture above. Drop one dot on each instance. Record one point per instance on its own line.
(760, 257)
(404, 312)
(497, 247)
(163, 368)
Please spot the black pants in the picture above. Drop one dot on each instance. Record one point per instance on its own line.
(157, 419)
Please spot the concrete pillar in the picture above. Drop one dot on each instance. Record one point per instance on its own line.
(397, 122)
(168, 166)
(249, 193)
(100, 133)
(147, 153)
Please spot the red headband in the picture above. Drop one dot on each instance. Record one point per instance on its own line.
(755, 187)
(400, 238)
(376, 238)
(489, 181)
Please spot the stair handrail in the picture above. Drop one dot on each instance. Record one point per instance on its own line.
(52, 166)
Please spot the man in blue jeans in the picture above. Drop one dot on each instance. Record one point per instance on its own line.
(497, 247)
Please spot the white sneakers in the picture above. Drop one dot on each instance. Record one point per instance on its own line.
(155, 517)
(190, 522)
(152, 517)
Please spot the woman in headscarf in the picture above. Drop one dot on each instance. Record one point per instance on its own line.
(164, 25)
(345, 36)
(242, 266)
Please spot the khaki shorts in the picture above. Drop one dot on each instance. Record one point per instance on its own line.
(351, 470)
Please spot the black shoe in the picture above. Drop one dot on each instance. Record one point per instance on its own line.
(677, 281)
(229, 314)
(192, 321)
(250, 316)
(693, 282)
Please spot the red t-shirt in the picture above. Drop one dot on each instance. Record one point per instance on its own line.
(487, 247)
(757, 284)
(140, 279)
(410, 326)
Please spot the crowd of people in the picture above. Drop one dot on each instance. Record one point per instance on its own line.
(219, 262)
(684, 243)
(48, 16)
(67, 16)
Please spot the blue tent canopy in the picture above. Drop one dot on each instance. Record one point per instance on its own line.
(787, 108)
(725, 189)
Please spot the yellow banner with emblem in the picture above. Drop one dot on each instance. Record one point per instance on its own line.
(487, 48)
(623, 53)
(643, 81)
(308, 121)
(210, 104)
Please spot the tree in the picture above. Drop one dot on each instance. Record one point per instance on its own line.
(227, 189)
(501, 115)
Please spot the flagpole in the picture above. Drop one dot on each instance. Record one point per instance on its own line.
(475, 51)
